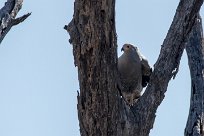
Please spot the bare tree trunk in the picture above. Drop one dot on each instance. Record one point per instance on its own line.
(7, 16)
(101, 111)
(195, 52)
(93, 36)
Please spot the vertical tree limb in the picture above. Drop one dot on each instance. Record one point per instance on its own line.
(8, 16)
(92, 32)
(195, 52)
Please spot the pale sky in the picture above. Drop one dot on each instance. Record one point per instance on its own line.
(38, 80)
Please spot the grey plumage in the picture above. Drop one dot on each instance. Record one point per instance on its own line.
(134, 72)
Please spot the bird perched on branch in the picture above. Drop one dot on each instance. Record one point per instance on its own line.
(134, 73)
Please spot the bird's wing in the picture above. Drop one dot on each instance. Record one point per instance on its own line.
(146, 72)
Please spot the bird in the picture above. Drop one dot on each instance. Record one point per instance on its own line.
(134, 73)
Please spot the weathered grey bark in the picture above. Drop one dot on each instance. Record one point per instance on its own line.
(8, 16)
(195, 52)
(101, 111)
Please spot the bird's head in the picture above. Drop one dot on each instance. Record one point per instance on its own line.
(128, 48)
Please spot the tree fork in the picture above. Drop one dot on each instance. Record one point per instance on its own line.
(101, 111)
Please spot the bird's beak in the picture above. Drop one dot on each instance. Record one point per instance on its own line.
(122, 49)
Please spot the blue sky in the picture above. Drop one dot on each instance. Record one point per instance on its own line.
(38, 80)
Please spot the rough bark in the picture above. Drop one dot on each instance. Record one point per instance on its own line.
(101, 111)
(92, 32)
(8, 16)
(195, 52)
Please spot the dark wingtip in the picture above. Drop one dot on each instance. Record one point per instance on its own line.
(145, 80)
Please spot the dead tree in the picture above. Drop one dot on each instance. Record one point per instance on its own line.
(101, 111)
(195, 52)
(8, 16)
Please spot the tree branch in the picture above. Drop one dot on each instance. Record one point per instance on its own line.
(195, 52)
(7, 16)
(165, 68)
